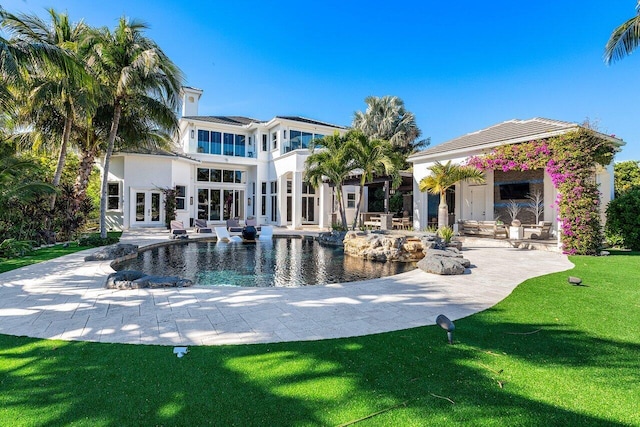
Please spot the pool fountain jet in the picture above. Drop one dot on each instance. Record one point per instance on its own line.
(446, 324)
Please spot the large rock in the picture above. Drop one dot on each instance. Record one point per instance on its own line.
(118, 250)
(332, 238)
(442, 265)
(390, 246)
(132, 279)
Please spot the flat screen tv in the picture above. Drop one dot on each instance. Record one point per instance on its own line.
(519, 190)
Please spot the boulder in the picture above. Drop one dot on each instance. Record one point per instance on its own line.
(132, 279)
(443, 265)
(161, 282)
(332, 238)
(110, 252)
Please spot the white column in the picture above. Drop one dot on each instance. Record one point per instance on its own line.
(282, 200)
(324, 196)
(296, 200)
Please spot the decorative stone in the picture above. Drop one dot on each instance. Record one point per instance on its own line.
(122, 279)
(442, 265)
(332, 238)
(161, 282)
(110, 252)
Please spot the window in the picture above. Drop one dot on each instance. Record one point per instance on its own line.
(274, 140)
(216, 175)
(239, 146)
(238, 177)
(181, 196)
(229, 140)
(202, 174)
(113, 196)
(208, 142)
(228, 176)
(351, 200)
(274, 201)
(263, 199)
(203, 141)
(264, 142)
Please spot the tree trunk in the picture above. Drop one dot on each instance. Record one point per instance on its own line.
(82, 180)
(117, 111)
(443, 211)
(360, 201)
(62, 157)
(343, 215)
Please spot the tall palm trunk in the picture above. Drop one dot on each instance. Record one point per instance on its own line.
(360, 203)
(343, 215)
(117, 112)
(62, 157)
(82, 180)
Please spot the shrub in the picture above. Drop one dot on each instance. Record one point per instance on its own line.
(623, 218)
(446, 233)
(94, 240)
(12, 248)
(336, 226)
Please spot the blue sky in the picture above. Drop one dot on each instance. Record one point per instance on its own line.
(459, 67)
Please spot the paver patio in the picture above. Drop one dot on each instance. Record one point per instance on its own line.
(65, 299)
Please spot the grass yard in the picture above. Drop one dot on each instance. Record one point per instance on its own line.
(550, 354)
(44, 254)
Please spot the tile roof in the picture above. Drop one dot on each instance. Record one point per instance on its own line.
(507, 132)
(225, 120)
(309, 121)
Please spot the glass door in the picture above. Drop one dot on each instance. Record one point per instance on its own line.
(148, 207)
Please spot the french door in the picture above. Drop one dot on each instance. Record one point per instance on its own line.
(147, 207)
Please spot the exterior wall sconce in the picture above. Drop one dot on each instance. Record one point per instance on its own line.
(249, 201)
(193, 133)
(191, 200)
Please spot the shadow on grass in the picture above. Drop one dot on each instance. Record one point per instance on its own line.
(551, 354)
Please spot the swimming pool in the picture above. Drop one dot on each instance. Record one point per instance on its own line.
(281, 262)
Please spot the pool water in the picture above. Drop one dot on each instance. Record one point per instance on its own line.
(283, 262)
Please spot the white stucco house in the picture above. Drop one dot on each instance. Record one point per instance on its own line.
(489, 200)
(223, 167)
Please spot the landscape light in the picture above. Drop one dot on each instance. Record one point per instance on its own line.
(446, 324)
(180, 351)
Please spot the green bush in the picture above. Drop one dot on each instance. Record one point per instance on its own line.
(623, 218)
(446, 233)
(336, 226)
(94, 240)
(12, 248)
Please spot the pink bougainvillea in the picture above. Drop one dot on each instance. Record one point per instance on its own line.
(570, 161)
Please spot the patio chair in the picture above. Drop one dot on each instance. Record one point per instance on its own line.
(266, 233)
(223, 235)
(233, 225)
(178, 230)
(202, 227)
(253, 222)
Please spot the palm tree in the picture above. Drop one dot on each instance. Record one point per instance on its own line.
(329, 159)
(371, 157)
(444, 176)
(624, 39)
(386, 118)
(68, 89)
(133, 68)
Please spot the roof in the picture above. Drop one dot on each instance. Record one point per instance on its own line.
(156, 152)
(509, 132)
(225, 120)
(309, 121)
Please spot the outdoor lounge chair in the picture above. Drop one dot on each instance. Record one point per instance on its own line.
(266, 233)
(233, 226)
(178, 230)
(223, 235)
(252, 221)
(202, 227)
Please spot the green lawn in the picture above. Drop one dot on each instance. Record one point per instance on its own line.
(44, 254)
(550, 354)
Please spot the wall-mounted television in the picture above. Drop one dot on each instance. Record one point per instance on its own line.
(518, 190)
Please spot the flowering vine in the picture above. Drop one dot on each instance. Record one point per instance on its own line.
(570, 161)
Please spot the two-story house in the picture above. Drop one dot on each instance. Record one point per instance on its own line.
(223, 167)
